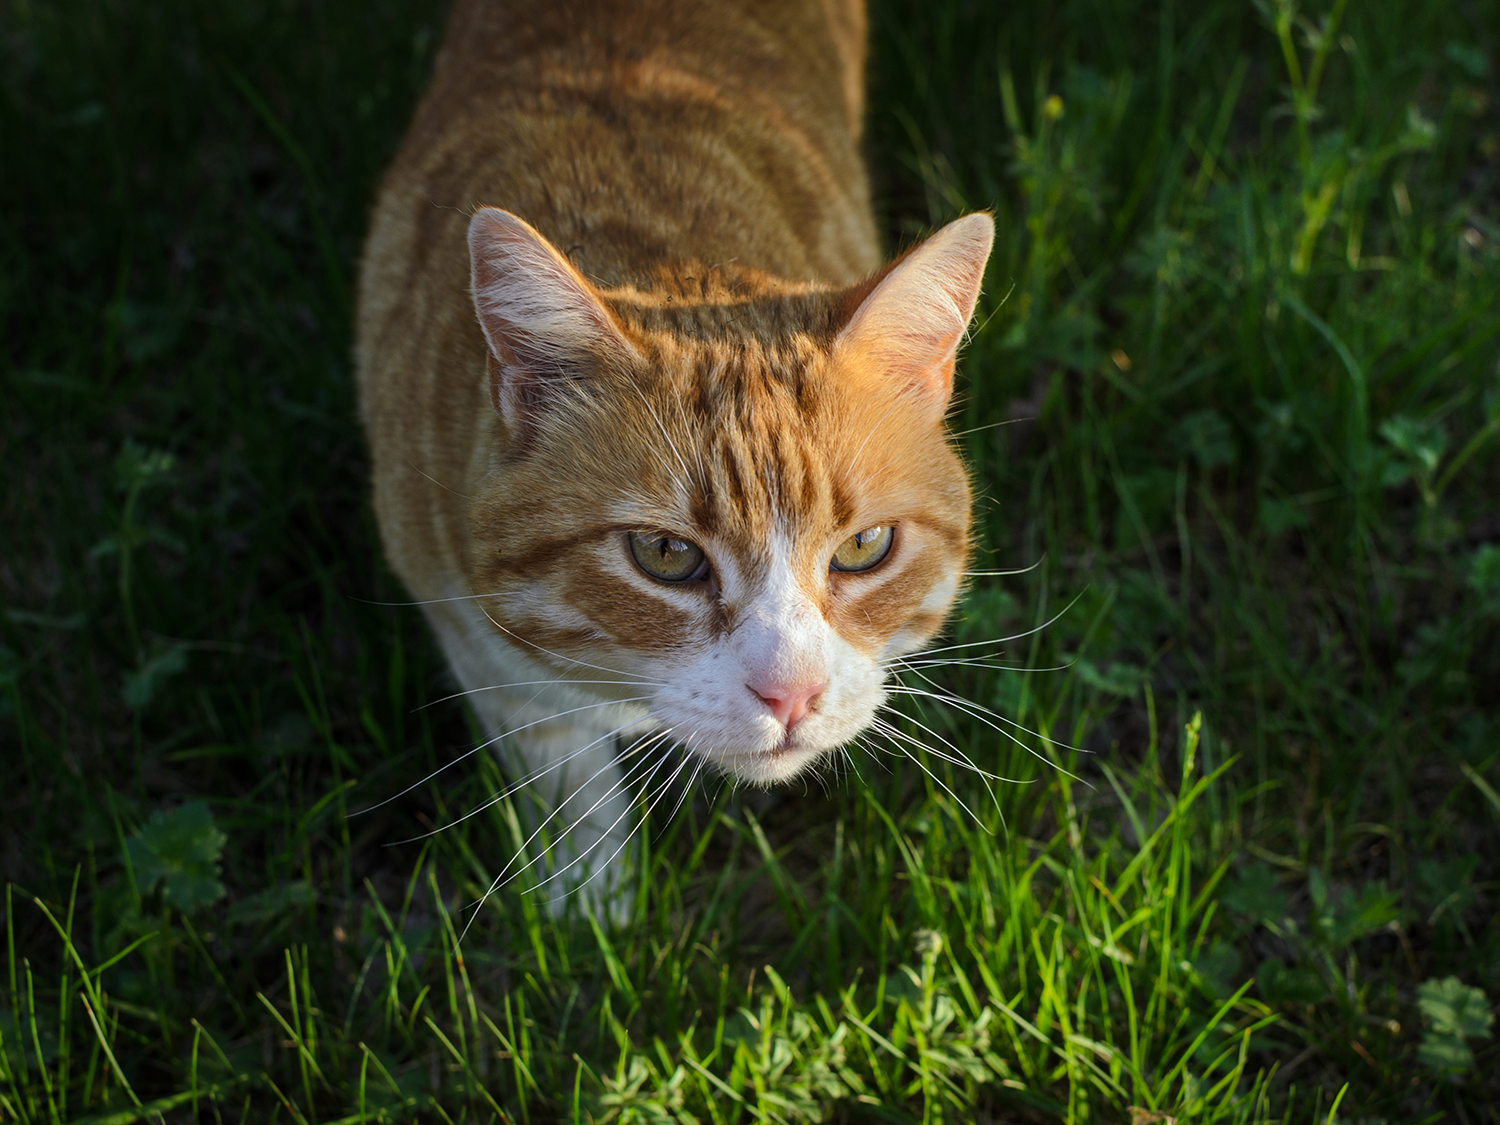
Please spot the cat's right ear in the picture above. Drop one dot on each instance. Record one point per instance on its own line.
(542, 319)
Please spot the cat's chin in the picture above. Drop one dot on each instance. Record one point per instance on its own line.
(768, 767)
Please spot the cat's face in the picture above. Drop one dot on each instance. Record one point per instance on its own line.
(743, 507)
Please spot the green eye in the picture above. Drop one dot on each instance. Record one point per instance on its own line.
(667, 559)
(864, 551)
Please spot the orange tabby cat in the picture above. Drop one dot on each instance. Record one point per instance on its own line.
(658, 447)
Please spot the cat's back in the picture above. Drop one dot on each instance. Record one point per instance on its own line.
(633, 134)
(638, 131)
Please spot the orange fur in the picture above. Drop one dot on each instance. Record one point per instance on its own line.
(684, 336)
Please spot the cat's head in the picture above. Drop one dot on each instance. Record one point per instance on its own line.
(735, 494)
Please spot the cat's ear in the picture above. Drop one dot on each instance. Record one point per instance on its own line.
(912, 322)
(542, 319)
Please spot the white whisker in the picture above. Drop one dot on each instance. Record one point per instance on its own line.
(548, 683)
(488, 743)
(1001, 640)
(863, 744)
(509, 633)
(682, 485)
(686, 789)
(984, 714)
(427, 601)
(645, 743)
(502, 879)
(653, 802)
(534, 775)
(946, 697)
(548, 651)
(583, 855)
(962, 759)
(1005, 573)
(849, 760)
(989, 425)
(880, 422)
(977, 663)
(985, 776)
(886, 728)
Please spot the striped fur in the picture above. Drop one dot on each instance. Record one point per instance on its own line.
(621, 278)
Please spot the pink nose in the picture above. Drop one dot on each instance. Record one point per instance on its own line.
(790, 705)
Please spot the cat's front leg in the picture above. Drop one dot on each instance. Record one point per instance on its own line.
(577, 809)
(559, 743)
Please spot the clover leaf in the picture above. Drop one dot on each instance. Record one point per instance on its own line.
(179, 850)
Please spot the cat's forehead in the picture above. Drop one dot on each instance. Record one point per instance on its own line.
(742, 440)
(730, 344)
(739, 426)
(764, 447)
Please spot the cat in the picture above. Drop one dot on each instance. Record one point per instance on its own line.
(657, 443)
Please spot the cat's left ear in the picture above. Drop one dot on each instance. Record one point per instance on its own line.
(542, 319)
(911, 324)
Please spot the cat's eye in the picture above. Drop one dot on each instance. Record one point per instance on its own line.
(668, 559)
(864, 551)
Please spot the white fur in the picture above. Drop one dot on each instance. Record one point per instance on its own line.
(780, 637)
(699, 698)
(560, 735)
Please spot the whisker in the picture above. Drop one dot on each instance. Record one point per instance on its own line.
(488, 743)
(884, 727)
(697, 447)
(941, 694)
(437, 482)
(966, 761)
(686, 789)
(638, 826)
(583, 855)
(849, 761)
(977, 663)
(892, 731)
(517, 786)
(990, 425)
(1001, 640)
(686, 491)
(549, 652)
(1004, 573)
(864, 745)
(502, 879)
(983, 714)
(547, 683)
(855, 459)
(425, 601)
(514, 636)
(984, 775)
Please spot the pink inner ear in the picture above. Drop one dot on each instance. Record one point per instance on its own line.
(911, 326)
(529, 298)
(539, 315)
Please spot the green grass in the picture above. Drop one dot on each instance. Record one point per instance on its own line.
(1234, 410)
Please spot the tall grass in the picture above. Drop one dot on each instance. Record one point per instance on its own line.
(1234, 410)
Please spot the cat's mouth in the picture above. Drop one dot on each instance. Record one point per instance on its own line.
(781, 762)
